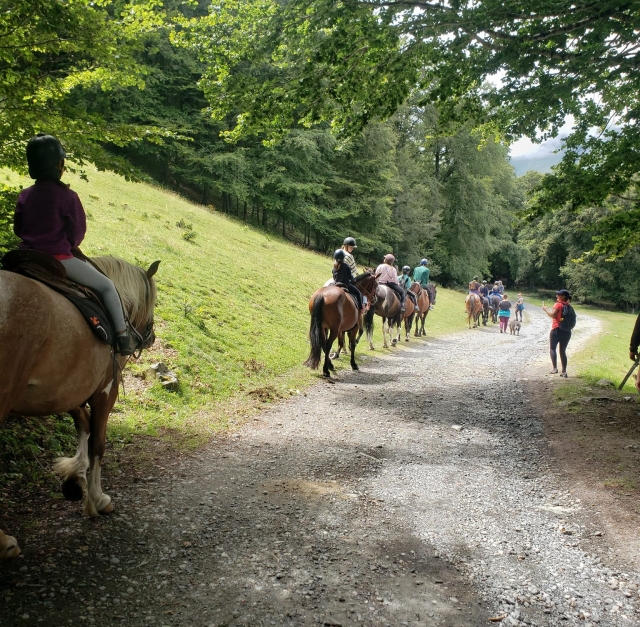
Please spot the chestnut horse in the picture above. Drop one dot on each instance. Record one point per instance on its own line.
(473, 306)
(51, 362)
(423, 303)
(334, 312)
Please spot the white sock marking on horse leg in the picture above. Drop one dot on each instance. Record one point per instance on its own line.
(77, 465)
(96, 500)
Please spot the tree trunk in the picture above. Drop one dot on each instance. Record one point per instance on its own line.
(284, 230)
(264, 217)
(244, 211)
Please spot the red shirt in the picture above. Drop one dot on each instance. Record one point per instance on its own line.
(50, 218)
(555, 323)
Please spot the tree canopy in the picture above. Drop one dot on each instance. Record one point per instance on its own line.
(520, 68)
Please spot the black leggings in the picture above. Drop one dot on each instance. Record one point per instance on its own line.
(413, 297)
(356, 292)
(398, 290)
(561, 337)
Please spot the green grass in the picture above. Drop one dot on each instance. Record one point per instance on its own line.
(606, 355)
(232, 317)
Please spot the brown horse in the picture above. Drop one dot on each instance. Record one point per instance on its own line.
(334, 312)
(388, 308)
(473, 306)
(51, 362)
(423, 303)
(407, 317)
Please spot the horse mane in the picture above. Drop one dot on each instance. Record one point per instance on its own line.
(137, 292)
(364, 275)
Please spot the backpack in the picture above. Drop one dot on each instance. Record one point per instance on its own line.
(568, 317)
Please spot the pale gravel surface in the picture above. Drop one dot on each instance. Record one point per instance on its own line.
(418, 491)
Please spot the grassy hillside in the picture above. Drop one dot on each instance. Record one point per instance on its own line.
(232, 316)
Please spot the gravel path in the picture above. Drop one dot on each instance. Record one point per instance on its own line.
(418, 491)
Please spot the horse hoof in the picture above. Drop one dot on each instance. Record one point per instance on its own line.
(107, 510)
(72, 490)
(8, 547)
(354, 367)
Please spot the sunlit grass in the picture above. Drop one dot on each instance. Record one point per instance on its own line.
(606, 355)
(232, 317)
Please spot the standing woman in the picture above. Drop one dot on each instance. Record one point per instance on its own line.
(504, 312)
(558, 336)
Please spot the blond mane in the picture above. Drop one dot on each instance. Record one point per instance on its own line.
(138, 293)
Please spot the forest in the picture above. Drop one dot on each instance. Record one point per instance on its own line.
(377, 120)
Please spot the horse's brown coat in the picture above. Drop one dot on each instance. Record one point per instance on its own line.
(51, 362)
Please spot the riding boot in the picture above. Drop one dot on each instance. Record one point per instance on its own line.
(127, 345)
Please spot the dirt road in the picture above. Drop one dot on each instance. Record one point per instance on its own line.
(418, 491)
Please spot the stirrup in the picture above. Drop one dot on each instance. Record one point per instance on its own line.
(127, 344)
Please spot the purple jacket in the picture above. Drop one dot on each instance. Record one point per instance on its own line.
(50, 218)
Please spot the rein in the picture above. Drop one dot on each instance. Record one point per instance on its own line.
(372, 297)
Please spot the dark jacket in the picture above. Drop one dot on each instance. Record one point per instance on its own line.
(50, 218)
(343, 274)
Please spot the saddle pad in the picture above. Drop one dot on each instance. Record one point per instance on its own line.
(44, 269)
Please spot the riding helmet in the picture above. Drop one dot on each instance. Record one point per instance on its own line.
(565, 293)
(349, 241)
(475, 278)
(339, 255)
(424, 262)
(389, 258)
(44, 152)
(406, 269)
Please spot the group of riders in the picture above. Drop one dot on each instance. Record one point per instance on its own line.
(486, 291)
(345, 273)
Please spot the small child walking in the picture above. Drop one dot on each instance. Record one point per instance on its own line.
(504, 312)
(519, 306)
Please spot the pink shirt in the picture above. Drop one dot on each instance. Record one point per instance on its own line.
(387, 273)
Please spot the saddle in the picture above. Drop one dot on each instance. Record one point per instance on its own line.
(345, 289)
(49, 271)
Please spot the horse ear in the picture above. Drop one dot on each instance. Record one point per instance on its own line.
(153, 268)
(378, 274)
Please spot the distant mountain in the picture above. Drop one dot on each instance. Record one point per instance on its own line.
(537, 162)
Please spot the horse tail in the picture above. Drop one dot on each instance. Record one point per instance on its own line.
(368, 321)
(316, 335)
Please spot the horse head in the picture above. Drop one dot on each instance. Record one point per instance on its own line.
(368, 283)
(138, 293)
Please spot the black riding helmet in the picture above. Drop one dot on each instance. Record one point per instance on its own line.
(44, 153)
(349, 241)
(406, 269)
(339, 255)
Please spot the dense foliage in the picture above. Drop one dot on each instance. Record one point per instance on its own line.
(322, 119)
(272, 65)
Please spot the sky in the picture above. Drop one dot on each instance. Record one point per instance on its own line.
(525, 155)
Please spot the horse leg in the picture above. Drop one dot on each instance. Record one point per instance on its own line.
(74, 469)
(385, 328)
(352, 346)
(327, 350)
(341, 347)
(8, 546)
(101, 404)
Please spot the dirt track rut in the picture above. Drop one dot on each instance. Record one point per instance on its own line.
(417, 491)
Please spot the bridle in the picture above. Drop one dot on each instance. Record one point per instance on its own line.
(372, 296)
